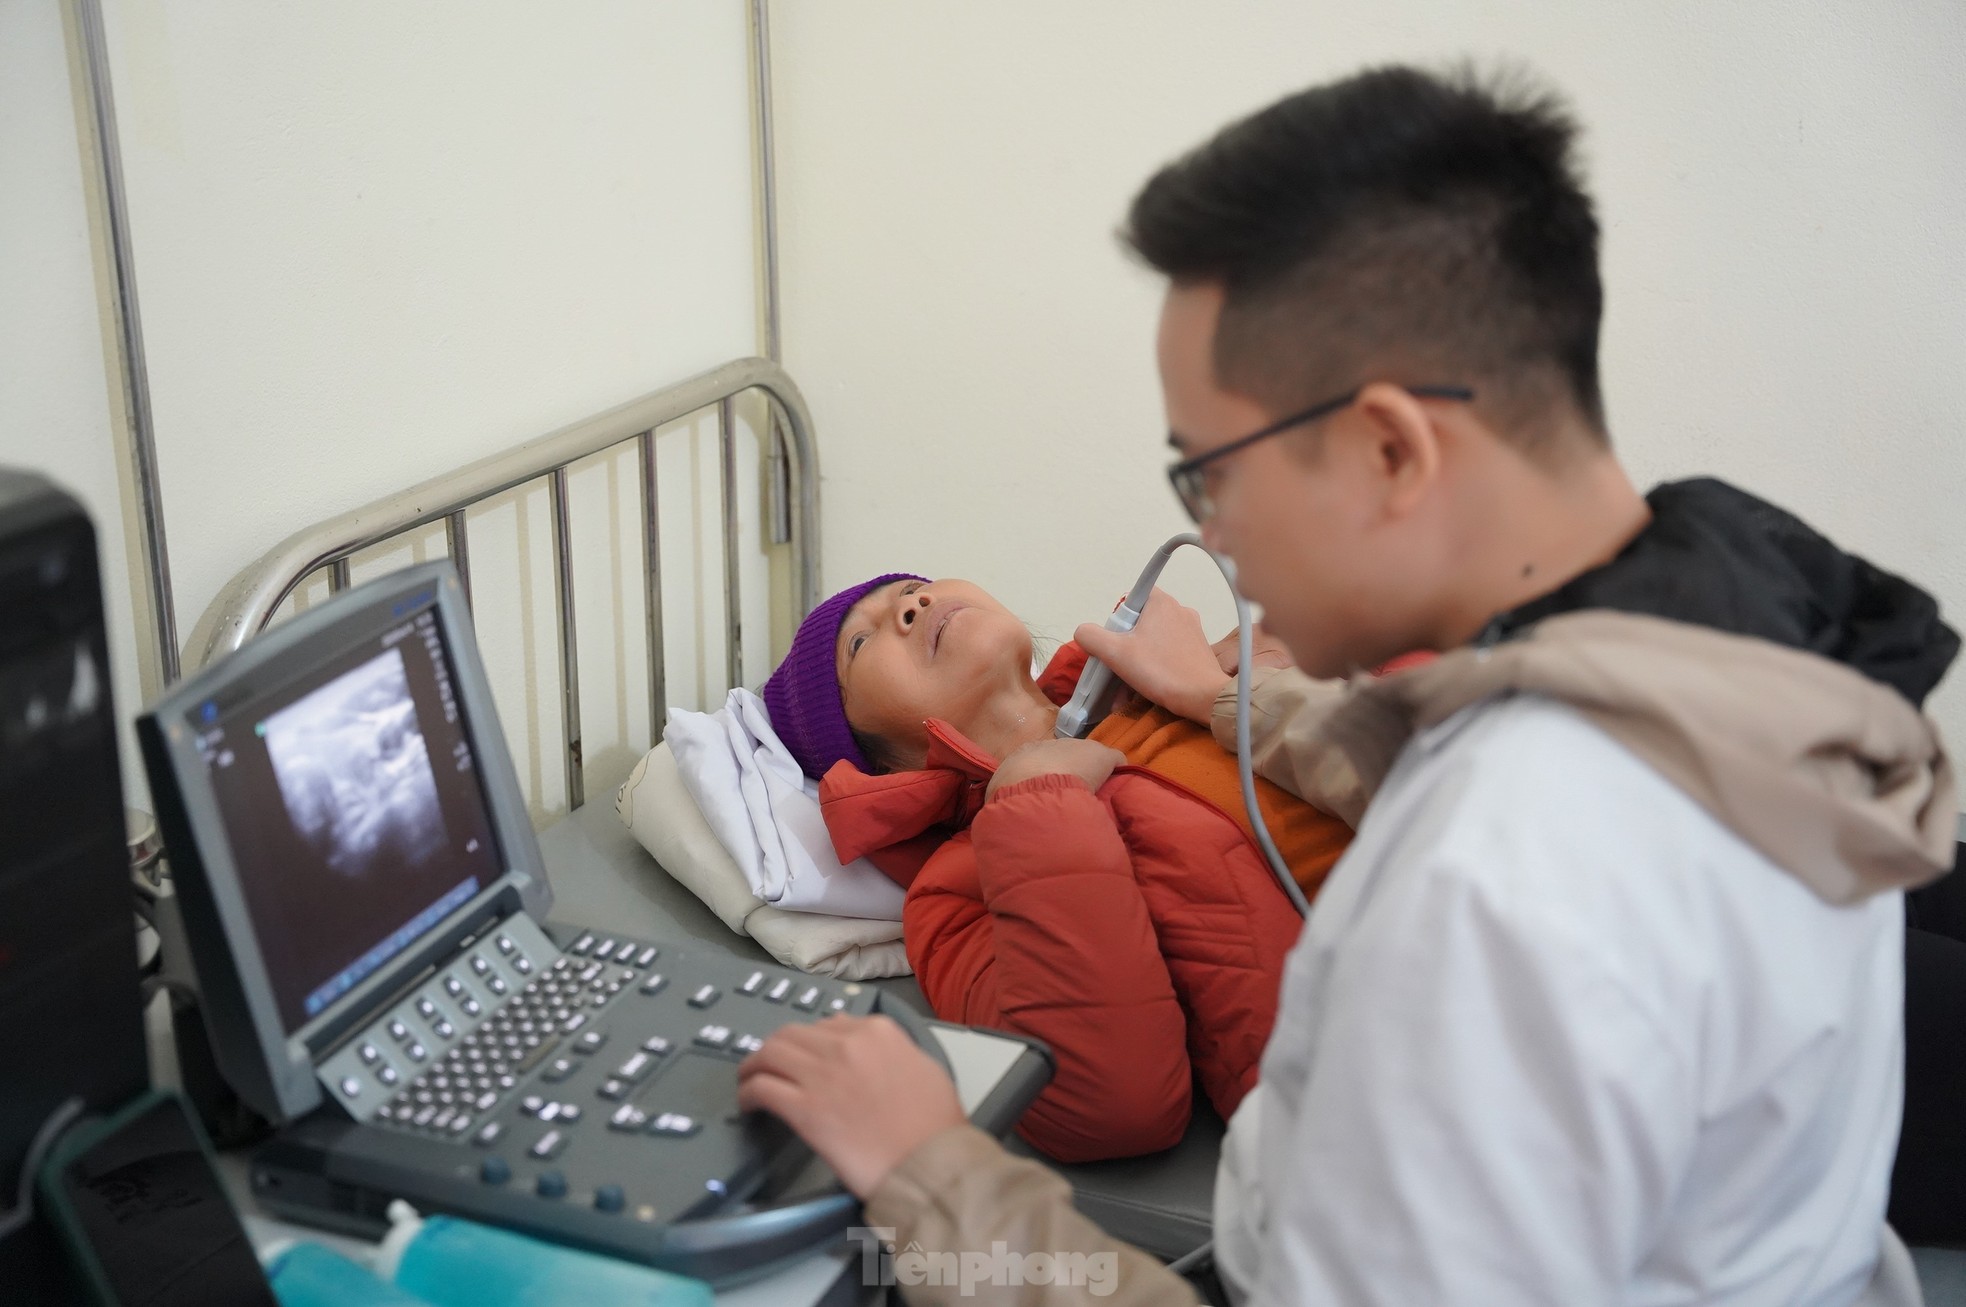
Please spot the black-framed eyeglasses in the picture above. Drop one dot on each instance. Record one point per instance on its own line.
(1191, 486)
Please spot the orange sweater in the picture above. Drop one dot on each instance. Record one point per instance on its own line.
(1173, 747)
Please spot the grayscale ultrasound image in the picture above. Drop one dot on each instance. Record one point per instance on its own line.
(355, 773)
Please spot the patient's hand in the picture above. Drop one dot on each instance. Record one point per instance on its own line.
(1091, 763)
(856, 1089)
(1165, 657)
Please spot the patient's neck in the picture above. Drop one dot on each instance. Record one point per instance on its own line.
(1006, 722)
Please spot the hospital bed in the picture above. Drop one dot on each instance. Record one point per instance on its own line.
(599, 872)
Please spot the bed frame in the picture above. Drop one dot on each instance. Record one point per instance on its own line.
(250, 599)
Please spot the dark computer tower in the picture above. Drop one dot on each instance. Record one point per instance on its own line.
(70, 1017)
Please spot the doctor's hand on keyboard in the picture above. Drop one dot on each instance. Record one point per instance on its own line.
(857, 1089)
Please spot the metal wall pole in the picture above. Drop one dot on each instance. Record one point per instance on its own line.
(338, 576)
(767, 174)
(733, 599)
(129, 322)
(778, 519)
(652, 591)
(569, 647)
(457, 540)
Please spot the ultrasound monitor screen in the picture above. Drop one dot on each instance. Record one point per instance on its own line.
(354, 811)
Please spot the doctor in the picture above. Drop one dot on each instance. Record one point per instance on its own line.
(1604, 1003)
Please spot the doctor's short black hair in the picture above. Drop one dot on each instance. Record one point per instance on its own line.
(1399, 225)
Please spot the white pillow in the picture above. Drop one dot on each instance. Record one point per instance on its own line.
(657, 808)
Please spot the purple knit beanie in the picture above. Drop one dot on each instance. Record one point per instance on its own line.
(803, 695)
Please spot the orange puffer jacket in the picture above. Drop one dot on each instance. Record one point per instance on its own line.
(1136, 931)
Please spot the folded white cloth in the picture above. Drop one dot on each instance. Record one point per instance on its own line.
(766, 813)
(657, 807)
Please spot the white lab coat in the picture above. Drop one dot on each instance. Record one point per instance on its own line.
(1539, 950)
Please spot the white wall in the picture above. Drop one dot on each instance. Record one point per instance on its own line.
(1781, 185)
(375, 241)
(54, 395)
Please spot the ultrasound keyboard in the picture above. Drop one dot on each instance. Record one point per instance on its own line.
(538, 1060)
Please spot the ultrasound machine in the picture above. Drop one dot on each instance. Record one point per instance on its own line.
(367, 909)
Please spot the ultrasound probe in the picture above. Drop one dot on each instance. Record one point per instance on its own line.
(1098, 688)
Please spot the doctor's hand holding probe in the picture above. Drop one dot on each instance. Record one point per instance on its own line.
(1604, 1002)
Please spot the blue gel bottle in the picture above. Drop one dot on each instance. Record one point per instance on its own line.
(453, 1263)
(308, 1275)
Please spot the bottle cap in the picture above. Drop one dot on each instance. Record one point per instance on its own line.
(404, 1226)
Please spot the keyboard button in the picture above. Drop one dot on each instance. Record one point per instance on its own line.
(613, 1090)
(627, 1117)
(389, 1076)
(398, 1031)
(531, 1104)
(573, 1023)
(498, 986)
(486, 1101)
(655, 1044)
(445, 1029)
(637, 1066)
(588, 972)
(424, 1115)
(557, 1070)
(461, 1124)
(426, 1009)
(495, 1170)
(453, 986)
(603, 950)
(714, 1037)
(609, 1198)
(443, 1119)
(522, 965)
(808, 998)
(417, 1052)
(705, 996)
(752, 983)
(551, 1144)
(837, 1005)
(550, 1184)
(777, 993)
(482, 967)
(351, 1086)
(648, 955)
(590, 1042)
(472, 1008)
(549, 1112)
(371, 1055)
(654, 983)
(747, 1043)
(563, 962)
(583, 946)
(672, 1123)
(569, 1112)
(505, 945)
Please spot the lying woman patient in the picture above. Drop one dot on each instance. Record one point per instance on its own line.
(1103, 895)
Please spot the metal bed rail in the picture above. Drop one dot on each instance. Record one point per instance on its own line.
(247, 603)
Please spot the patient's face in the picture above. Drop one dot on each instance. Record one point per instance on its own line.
(912, 650)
